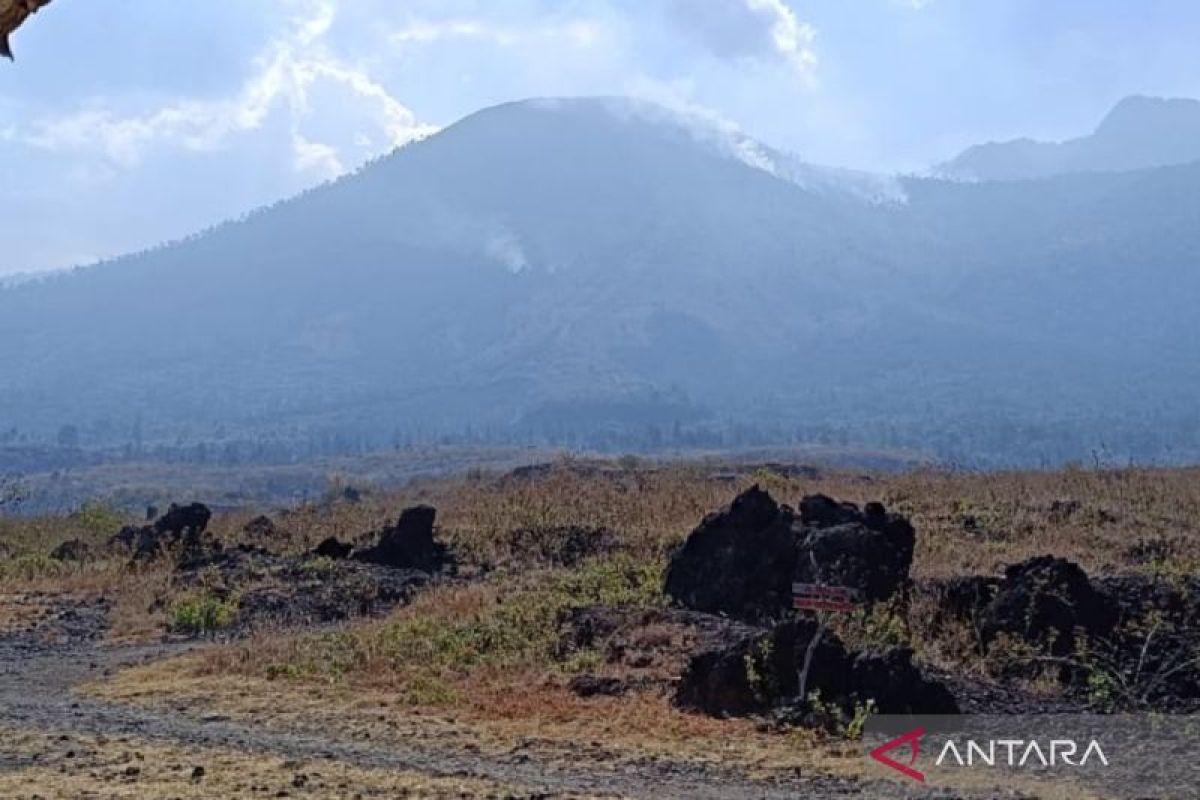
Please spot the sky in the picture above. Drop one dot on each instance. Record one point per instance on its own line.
(127, 123)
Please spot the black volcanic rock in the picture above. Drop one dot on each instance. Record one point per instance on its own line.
(869, 550)
(409, 544)
(759, 672)
(739, 561)
(332, 547)
(1046, 600)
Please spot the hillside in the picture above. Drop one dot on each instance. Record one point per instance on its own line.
(1139, 133)
(562, 268)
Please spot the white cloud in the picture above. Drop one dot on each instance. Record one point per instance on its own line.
(792, 39)
(577, 32)
(284, 78)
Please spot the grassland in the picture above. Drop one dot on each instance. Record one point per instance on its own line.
(478, 659)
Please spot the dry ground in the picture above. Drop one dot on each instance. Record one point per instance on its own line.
(471, 666)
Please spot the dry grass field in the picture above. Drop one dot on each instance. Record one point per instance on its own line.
(475, 662)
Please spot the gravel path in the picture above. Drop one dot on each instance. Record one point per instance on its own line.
(40, 664)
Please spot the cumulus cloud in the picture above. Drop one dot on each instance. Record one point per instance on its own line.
(749, 29)
(284, 78)
(580, 32)
(306, 90)
(299, 65)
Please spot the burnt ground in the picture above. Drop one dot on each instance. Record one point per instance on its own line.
(58, 645)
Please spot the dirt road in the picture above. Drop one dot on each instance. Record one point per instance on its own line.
(44, 658)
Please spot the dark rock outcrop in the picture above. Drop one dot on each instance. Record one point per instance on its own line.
(333, 548)
(143, 544)
(869, 549)
(897, 685)
(409, 544)
(739, 561)
(650, 646)
(73, 551)
(761, 672)
(743, 560)
(182, 520)
(180, 532)
(1046, 601)
(961, 599)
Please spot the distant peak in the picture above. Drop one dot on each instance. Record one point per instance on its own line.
(1139, 132)
(1138, 112)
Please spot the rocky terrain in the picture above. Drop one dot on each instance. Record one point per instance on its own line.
(525, 644)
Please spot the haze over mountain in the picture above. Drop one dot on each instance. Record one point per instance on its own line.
(1140, 132)
(604, 270)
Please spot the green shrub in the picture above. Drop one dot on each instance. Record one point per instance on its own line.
(97, 519)
(521, 629)
(32, 567)
(201, 613)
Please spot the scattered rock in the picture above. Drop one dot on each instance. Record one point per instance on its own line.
(654, 646)
(333, 548)
(180, 520)
(739, 561)
(409, 544)
(261, 528)
(296, 596)
(74, 551)
(1151, 551)
(594, 686)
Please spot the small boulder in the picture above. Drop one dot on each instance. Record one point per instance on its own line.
(409, 544)
(739, 561)
(143, 544)
(333, 548)
(896, 685)
(1046, 600)
(595, 686)
(182, 520)
(73, 551)
(261, 527)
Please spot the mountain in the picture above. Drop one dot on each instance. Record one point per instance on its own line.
(605, 271)
(1139, 133)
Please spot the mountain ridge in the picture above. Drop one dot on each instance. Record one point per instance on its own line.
(553, 268)
(1140, 132)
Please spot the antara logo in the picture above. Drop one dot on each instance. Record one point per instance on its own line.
(911, 739)
(1003, 752)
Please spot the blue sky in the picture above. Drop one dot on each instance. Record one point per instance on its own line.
(123, 124)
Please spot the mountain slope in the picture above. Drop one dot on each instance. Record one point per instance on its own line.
(1139, 133)
(560, 267)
